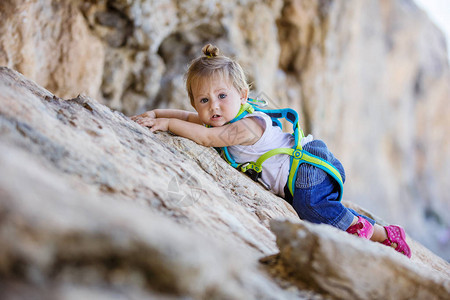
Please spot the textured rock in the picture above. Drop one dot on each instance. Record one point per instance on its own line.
(370, 77)
(51, 43)
(375, 85)
(348, 267)
(59, 229)
(92, 204)
(86, 200)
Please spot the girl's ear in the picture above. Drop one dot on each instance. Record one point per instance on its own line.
(244, 96)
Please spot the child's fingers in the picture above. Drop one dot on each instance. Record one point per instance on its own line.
(152, 124)
(141, 116)
(155, 127)
(146, 115)
(146, 122)
(137, 118)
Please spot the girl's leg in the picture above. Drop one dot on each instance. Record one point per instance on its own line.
(318, 204)
(393, 236)
(362, 227)
(379, 234)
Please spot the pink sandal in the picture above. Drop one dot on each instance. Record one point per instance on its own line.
(362, 228)
(397, 239)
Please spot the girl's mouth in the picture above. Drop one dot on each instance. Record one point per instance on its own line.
(215, 117)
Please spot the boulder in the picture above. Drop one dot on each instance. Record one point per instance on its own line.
(93, 205)
(369, 77)
(347, 267)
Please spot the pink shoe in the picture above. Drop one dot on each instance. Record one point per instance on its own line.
(397, 240)
(362, 228)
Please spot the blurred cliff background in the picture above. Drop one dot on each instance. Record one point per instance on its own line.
(370, 77)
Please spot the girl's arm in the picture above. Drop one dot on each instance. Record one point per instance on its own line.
(244, 132)
(168, 113)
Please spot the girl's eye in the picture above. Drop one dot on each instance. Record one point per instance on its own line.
(203, 100)
(222, 96)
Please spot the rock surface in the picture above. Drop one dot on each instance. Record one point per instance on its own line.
(50, 42)
(89, 208)
(370, 77)
(346, 267)
(86, 199)
(375, 83)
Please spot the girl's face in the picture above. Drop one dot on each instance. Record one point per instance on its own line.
(216, 100)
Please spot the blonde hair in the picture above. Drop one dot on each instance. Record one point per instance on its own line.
(211, 63)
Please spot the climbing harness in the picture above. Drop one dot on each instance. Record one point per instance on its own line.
(298, 155)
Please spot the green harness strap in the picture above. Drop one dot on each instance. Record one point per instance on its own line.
(298, 155)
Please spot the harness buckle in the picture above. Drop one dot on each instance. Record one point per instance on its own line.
(253, 172)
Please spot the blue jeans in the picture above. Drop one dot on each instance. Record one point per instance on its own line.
(316, 192)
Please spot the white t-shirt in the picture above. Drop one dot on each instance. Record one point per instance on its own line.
(275, 169)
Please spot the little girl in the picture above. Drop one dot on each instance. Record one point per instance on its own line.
(217, 88)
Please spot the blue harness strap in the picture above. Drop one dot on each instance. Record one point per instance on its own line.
(298, 155)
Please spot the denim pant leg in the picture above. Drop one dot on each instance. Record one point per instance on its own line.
(318, 204)
(316, 192)
(363, 216)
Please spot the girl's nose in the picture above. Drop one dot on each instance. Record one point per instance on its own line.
(214, 104)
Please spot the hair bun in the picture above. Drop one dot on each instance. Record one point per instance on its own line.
(210, 51)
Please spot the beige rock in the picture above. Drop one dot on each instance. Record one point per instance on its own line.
(374, 79)
(51, 43)
(369, 77)
(63, 228)
(348, 267)
(86, 199)
(91, 203)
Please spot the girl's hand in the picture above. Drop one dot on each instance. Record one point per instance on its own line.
(160, 124)
(149, 115)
